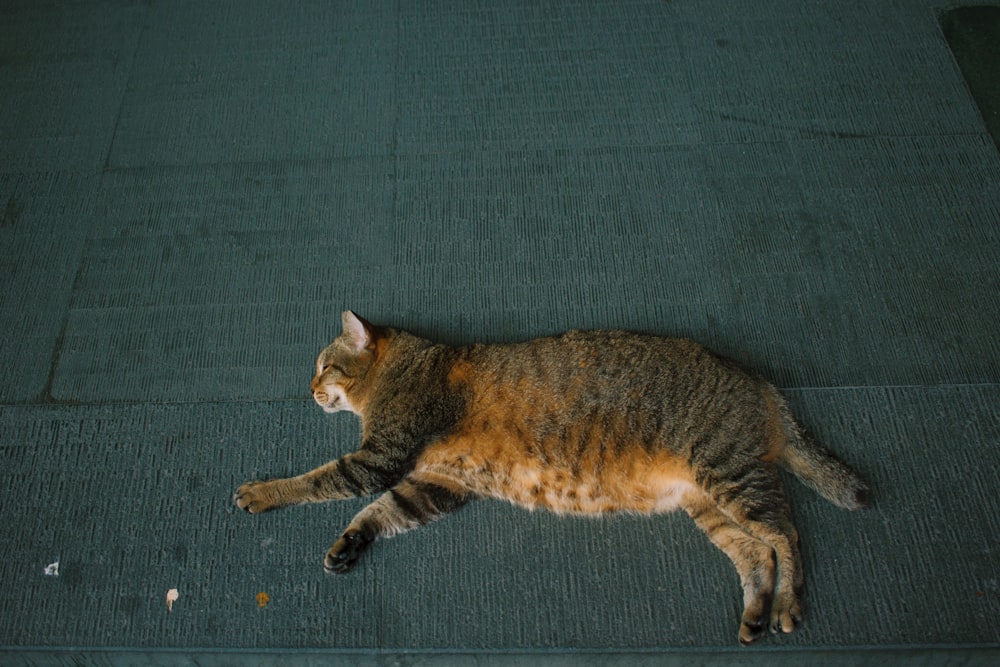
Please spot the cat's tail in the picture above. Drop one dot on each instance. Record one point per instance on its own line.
(817, 467)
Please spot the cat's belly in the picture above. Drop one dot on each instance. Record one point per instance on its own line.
(631, 482)
(593, 493)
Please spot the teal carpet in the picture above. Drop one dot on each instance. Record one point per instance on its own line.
(191, 192)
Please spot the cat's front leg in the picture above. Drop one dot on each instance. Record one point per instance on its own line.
(257, 497)
(415, 501)
(359, 474)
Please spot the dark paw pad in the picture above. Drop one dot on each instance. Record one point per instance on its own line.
(751, 631)
(345, 552)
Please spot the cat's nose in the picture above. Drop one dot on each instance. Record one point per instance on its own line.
(314, 385)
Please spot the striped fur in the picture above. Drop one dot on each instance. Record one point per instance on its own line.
(582, 423)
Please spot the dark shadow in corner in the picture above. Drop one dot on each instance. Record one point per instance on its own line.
(973, 33)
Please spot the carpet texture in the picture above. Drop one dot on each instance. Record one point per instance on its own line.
(191, 192)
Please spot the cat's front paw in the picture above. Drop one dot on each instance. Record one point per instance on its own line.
(257, 497)
(345, 552)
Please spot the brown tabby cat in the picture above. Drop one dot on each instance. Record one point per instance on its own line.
(585, 423)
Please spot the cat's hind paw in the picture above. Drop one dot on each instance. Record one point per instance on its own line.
(786, 613)
(751, 631)
(754, 624)
(345, 552)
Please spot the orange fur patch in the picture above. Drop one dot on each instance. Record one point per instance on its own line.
(491, 456)
(460, 373)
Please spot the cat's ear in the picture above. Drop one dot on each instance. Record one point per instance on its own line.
(357, 332)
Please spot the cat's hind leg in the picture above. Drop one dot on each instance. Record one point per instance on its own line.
(414, 502)
(756, 503)
(754, 561)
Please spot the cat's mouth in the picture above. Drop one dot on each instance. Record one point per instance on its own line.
(326, 402)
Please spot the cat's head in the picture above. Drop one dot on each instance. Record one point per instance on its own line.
(343, 364)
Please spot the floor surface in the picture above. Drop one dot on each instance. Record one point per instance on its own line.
(191, 193)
